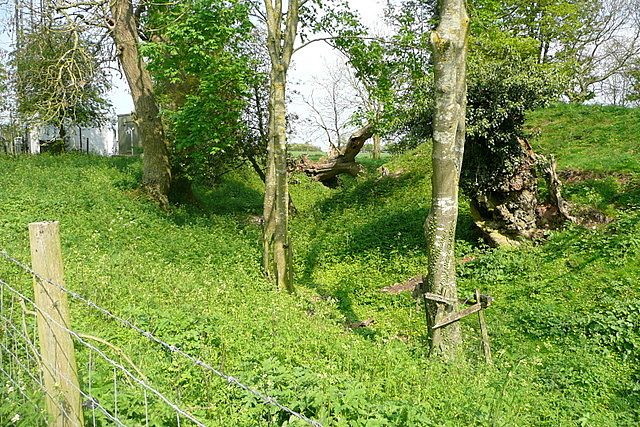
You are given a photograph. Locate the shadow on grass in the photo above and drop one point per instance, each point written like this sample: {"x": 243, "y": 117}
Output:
{"x": 386, "y": 229}
{"x": 377, "y": 218}
{"x": 630, "y": 195}
{"x": 231, "y": 196}
{"x": 366, "y": 193}
{"x": 345, "y": 306}
{"x": 130, "y": 169}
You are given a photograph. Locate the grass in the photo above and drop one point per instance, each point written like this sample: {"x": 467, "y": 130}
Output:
{"x": 600, "y": 139}
{"x": 564, "y": 326}
{"x": 598, "y": 147}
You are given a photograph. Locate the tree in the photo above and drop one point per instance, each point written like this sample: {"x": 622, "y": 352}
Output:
{"x": 117, "y": 20}
{"x": 369, "y": 107}
{"x": 593, "y": 40}
{"x": 634, "y": 82}
{"x": 156, "y": 177}
{"x": 370, "y": 74}
{"x": 332, "y": 106}
{"x": 344, "y": 162}
{"x": 57, "y": 79}
{"x": 449, "y": 47}
{"x": 282, "y": 29}
{"x": 346, "y": 102}
{"x": 201, "y": 55}
{"x": 499, "y": 170}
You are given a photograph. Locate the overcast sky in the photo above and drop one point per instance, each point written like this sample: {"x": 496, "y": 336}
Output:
{"x": 309, "y": 64}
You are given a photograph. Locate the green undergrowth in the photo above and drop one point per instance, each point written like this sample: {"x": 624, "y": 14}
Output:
{"x": 564, "y": 324}
{"x": 597, "y": 149}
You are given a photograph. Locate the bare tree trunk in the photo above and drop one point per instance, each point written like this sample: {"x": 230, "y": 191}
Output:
{"x": 156, "y": 177}
{"x": 277, "y": 250}
{"x": 506, "y": 215}
{"x": 449, "y": 43}
{"x": 269, "y": 222}
{"x": 278, "y": 142}
{"x": 377, "y": 149}
{"x": 62, "y": 134}
{"x": 512, "y": 211}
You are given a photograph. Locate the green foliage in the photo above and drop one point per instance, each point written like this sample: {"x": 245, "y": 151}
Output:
{"x": 587, "y": 40}
{"x": 500, "y": 92}
{"x": 634, "y": 74}
{"x": 200, "y": 57}
{"x": 387, "y": 67}
{"x": 563, "y": 326}
{"x": 19, "y": 405}
{"x": 505, "y": 80}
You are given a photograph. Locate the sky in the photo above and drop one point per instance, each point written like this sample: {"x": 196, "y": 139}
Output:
{"x": 308, "y": 65}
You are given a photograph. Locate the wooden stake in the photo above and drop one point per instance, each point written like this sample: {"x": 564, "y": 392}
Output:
{"x": 484, "y": 333}
{"x": 59, "y": 362}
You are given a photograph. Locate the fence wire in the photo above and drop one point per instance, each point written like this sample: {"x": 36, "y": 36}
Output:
{"x": 37, "y": 359}
{"x": 172, "y": 348}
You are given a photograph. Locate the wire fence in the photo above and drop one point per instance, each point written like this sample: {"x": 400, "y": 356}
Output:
{"x": 126, "y": 396}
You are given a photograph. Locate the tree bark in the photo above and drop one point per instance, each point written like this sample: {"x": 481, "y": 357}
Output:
{"x": 156, "y": 177}
{"x": 506, "y": 215}
{"x": 277, "y": 249}
{"x": 512, "y": 213}
{"x": 377, "y": 149}
{"x": 449, "y": 44}
{"x": 345, "y": 162}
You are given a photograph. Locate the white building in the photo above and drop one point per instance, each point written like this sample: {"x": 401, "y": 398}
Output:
{"x": 101, "y": 141}
{"x": 118, "y": 137}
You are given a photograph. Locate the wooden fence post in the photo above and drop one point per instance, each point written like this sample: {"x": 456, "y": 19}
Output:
{"x": 59, "y": 361}
{"x": 484, "y": 334}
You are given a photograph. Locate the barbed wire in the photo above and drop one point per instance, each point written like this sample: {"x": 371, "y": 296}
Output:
{"x": 103, "y": 355}
{"x": 88, "y": 398}
{"x": 230, "y": 379}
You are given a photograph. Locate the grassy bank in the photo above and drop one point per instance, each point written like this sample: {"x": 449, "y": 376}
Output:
{"x": 565, "y": 325}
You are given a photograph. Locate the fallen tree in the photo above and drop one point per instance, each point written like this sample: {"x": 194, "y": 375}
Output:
{"x": 326, "y": 171}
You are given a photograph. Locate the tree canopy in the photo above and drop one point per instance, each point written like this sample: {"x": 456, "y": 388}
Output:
{"x": 200, "y": 54}
{"x": 57, "y": 77}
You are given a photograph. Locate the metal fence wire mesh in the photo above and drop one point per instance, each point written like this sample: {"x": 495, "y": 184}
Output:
{"x": 112, "y": 387}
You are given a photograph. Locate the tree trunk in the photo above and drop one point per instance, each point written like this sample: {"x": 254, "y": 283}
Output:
{"x": 345, "y": 162}
{"x": 62, "y": 134}
{"x": 506, "y": 215}
{"x": 377, "y": 149}
{"x": 156, "y": 177}
{"x": 277, "y": 249}
{"x": 512, "y": 213}
{"x": 449, "y": 44}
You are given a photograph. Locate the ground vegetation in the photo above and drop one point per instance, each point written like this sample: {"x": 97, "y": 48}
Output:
{"x": 342, "y": 350}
